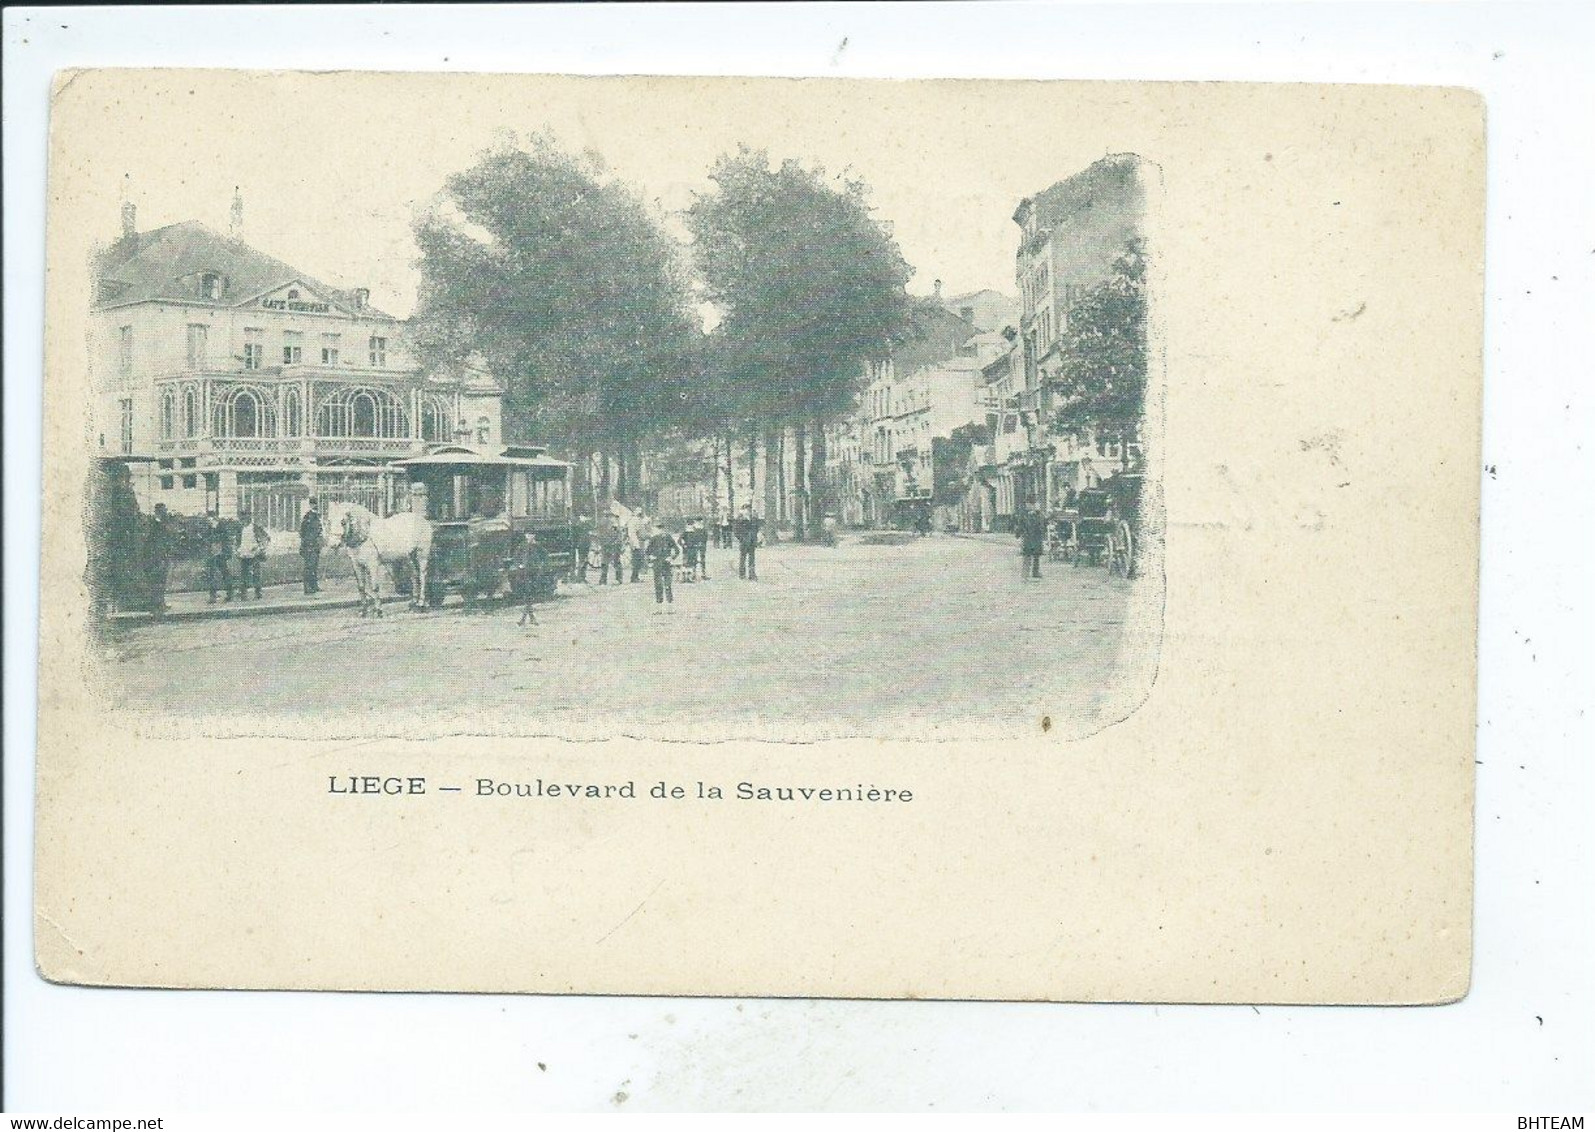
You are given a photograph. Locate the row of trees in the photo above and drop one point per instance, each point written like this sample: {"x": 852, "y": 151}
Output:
{"x": 539, "y": 266}
{"x": 542, "y": 268}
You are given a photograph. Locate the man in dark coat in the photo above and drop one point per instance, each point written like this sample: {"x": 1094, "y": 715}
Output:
{"x": 158, "y": 558}
{"x": 1032, "y": 541}
{"x": 611, "y": 539}
{"x": 310, "y": 544}
{"x": 746, "y": 530}
{"x": 662, "y": 550}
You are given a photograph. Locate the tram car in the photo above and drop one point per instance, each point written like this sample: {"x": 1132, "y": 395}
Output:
{"x": 501, "y": 519}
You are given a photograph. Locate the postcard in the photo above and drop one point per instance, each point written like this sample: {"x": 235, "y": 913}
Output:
{"x": 790, "y": 537}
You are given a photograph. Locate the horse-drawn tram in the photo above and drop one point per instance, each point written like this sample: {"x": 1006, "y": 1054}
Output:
{"x": 500, "y": 520}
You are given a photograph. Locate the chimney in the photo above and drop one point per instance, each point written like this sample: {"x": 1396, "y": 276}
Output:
{"x": 129, "y": 209}
{"x": 235, "y": 220}
{"x": 938, "y": 290}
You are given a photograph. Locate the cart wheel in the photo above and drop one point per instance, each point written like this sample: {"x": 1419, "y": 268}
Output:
{"x": 1119, "y": 550}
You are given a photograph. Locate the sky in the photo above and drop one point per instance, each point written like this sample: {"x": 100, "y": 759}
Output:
{"x": 333, "y": 168}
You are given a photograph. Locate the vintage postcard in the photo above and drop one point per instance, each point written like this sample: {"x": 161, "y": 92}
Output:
{"x": 914, "y": 539}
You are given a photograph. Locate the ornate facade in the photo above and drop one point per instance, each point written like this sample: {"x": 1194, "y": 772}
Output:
{"x": 241, "y": 383}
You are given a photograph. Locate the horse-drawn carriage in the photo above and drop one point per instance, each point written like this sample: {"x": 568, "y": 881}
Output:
{"x": 1100, "y": 529}
{"x": 501, "y": 521}
{"x": 481, "y": 522}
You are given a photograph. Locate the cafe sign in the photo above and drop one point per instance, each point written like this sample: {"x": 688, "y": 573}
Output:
{"x": 293, "y": 302}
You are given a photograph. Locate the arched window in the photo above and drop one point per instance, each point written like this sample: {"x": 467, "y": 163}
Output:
{"x": 292, "y": 416}
{"x": 435, "y": 420}
{"x": 168, "y": 414}
{"x": 243, "y": 413}
{"x": 246, "y": 415}
{"x": 190, "y": 411}
{"x": 363, "y": 414}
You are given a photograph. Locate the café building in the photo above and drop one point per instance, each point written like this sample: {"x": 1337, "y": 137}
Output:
{"x": 237, "y": 382}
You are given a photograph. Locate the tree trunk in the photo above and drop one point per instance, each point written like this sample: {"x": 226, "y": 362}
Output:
{"x": 603, "y": 477}
{"x": 773, "y": 509}
{"x": 731, "y": 481}
{"x": 819, "y": 480}
{"x": 800, "y": 526}
{"x": 753, "y": 463}
{"x": 622, "y": 482}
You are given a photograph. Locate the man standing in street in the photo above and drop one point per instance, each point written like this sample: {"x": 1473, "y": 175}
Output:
{"x": 695, "y": 543}
{"x": 662, "y": 551}
{"x": 746, "y": 530}
{"x": 610, "y": 541}
{"x": 253, "y": 540}
{"x": 310, "y": 543}
{"x": 637, "y": 534}
{"x": 583, "y": 546}
{"x": 218, "y": 553}
{"x": 158, "y": 558}
{"x": 1032, "y": 541}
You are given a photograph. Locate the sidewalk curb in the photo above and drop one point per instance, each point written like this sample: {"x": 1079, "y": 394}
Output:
{"x": 237, "y": 609}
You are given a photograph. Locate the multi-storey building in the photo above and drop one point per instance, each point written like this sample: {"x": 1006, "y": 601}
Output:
{"x": 244, "y": 383}
{"x": 1071, "y": 235}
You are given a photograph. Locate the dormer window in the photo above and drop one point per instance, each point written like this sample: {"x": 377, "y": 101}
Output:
{"x": 293, "y": 292}
{"x": 210, "y": 285}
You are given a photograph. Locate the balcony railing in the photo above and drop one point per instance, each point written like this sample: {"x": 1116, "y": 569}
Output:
{"x": 290, "y": 449}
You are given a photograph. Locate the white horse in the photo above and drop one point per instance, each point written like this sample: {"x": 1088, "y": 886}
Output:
{"x": 374, "y": 542}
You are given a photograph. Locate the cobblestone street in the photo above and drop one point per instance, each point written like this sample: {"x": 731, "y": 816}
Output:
{"x": 930, "y": 636}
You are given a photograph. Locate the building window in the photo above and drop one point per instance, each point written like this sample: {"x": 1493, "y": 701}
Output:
{"x": 363, "y": 413}
{"x": 293, "y": 348}
{"x": 190, "y": 481}
{"x": 198, "y": 345}
{"x": 126, "y": 407}
{"x": 210, "y": 285}
{"x": 254, "y": 347}
{"x": 329, "y": 349}
{"x": 292, "y": 416}
{"x": 166, "y": 483}
{"x": 190, "y": 412}
{"x": 242, "y": 413}
{"x": 168, "y": 414}
{"x": 435, "y": 420}
{"x": 379, "y": 352}
{"x": 125, "y": 351}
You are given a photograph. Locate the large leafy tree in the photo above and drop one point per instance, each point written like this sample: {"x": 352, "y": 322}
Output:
{"x": 809, "y": 286}
{"x": 1102, "y": 376}
{"x": 539, "y": 267}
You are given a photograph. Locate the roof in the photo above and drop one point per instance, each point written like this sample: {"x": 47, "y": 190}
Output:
{"x": 1116, "y": 176}
{"x": 457, "y": 455}
{"x": 164, "y": 264}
